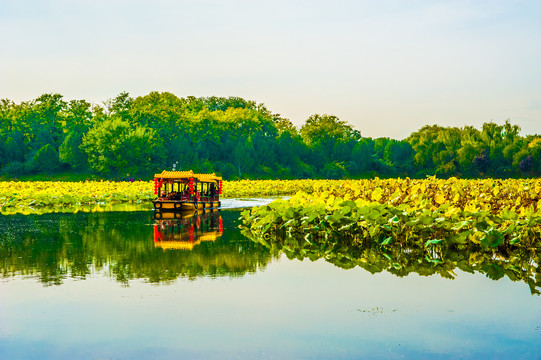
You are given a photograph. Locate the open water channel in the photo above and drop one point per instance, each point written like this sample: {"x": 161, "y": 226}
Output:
{"x": 121, "y": 285}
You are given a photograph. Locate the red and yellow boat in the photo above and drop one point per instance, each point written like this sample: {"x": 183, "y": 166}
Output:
{"x": 186, "y": 191}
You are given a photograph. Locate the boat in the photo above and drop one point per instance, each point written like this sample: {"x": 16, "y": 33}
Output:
{"x": 179, "y": 191}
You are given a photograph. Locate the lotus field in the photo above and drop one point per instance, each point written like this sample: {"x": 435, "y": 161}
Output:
{"x": 429, "y": 213}
{"x": 47, "y": 196}
{"x": 29, "y": 197}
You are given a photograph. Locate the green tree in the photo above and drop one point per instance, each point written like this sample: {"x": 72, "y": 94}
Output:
{"x": 323, "y": 134}
{"x": 327, "y": 129}
{"x": 48, "y": 119}
{"x": 6, "y": 116}
{"x": 399, "y": 155}
{"x": 119, "y": 106}
{"x": 243, "y": 157}
{"x": 13, "y": 148}
{"x": 534, "y": 149}
{"x": 46, "y": 159}
{"x": 116, "y": 148}
{"x": 70, "y": 151}
{"x": 425, "y": 145}
{"x": 500, "y": 143}
{"x": 78, "y": 115}
{"x": 334, "y": 170}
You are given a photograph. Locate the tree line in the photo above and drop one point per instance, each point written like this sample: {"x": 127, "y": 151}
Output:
{"x": 129, "y": 137}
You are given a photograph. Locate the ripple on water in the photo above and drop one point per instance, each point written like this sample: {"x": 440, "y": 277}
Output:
{"x": 238, "y": 203}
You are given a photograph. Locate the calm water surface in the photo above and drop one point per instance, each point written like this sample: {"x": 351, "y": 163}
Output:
{"x": 121, "y": 285}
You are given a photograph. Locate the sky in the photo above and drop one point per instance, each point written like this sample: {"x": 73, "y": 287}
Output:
{"x": 386, "y": 67}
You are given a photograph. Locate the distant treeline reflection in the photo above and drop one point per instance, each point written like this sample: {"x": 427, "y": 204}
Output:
{"x": 122, "y": 245}
{"x": 131, "y": 245}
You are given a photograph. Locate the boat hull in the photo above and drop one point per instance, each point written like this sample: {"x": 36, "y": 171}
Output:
{"x": 171, "y": 205}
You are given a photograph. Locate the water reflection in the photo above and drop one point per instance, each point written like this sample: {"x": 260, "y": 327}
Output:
{"x": 133, "y": 245}
{"x": 402, "y": 261}
{"x": 188, "y": 231}
{"x": 126, "y": 246}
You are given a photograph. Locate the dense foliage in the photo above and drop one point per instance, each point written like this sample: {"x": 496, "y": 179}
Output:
{"x": 136, "y": 137}
{"x": 457, "y": 214}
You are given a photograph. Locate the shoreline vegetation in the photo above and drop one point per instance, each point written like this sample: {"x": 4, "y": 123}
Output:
{"x": 134, "y": 138}
{"x": 507, "y": 210}
{"x": 38, "y": 197}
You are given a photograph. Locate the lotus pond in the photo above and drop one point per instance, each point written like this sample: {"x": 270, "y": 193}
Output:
{"x": 121, "y": 285}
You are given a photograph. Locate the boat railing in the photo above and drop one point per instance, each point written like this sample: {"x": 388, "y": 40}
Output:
{"x": 209, "y": 198}
{"x": 187, "y": 197}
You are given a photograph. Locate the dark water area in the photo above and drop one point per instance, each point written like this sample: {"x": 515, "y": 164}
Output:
{"x": 121, "y": 285}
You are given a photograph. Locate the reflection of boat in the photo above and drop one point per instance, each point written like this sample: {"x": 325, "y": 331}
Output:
{"x": 186, "y": 191}
{"x": 186, "y": 230}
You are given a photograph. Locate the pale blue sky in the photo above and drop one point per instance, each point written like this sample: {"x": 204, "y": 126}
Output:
{"x": 386, "y": 67}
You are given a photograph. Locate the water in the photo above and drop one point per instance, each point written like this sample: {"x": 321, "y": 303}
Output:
{"x": 120, "y": 285}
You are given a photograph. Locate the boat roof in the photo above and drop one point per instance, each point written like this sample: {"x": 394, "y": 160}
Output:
{"x": 181, "y": 175}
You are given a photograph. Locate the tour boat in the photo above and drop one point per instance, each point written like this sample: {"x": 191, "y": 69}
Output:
{"x": 185, "y": 191}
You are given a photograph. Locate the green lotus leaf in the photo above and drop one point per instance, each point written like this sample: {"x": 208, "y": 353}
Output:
{"x": 510, "y": 229}
{"x": 434, "y": 261}
{"x": 493, "y": 238}
{"x": 515, "y": 240}
{"x": 433, "y": 242}
{"x": 394, "y": 220}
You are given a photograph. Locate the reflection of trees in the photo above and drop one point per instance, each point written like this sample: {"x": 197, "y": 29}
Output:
{"x": 120, "y": 244}
{"x": 402, "y": 261}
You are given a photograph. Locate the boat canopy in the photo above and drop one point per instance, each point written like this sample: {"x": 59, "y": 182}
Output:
{"x": 186, "y": 175}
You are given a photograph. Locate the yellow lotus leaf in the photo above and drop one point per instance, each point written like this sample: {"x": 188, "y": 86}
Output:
{"x": 440, "y": 198}
{"x": 451, "y": 211}
{"x": 330, "y": 200}
{"x": 377, "y": 194}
